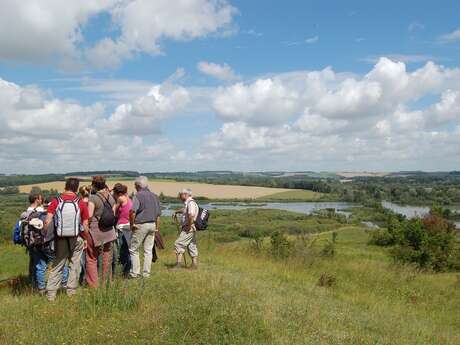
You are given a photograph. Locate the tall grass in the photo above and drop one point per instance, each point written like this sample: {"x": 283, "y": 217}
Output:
{"x": 239, "y": 296}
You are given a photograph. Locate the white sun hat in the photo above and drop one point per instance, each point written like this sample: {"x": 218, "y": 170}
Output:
{"x": 36, "y": 223}
{"x": 187, "y": 191}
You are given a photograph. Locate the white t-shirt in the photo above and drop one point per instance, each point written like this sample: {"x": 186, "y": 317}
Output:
{"x": 29, "y": 210}
{"x": 38, "y": 209}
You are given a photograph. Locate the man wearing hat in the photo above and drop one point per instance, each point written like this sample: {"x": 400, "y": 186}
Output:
{"x": 187, "y": 235}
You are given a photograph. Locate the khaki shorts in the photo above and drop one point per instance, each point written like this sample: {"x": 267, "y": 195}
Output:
{"x": 186, "y": 241}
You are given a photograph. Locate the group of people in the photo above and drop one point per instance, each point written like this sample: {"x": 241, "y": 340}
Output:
{"x": 72, "y": 238}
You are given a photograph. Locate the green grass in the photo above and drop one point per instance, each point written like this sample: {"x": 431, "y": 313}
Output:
{"x": 239, "y": 296}
{"x": 11, "y": 207}
{"x": 227, "y": 226}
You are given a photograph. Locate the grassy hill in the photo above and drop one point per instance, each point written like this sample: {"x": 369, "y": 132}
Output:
{"x": 241, "y": 295}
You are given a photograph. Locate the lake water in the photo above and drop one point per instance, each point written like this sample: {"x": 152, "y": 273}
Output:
{"x": 410, "y": 211}
{"x": 406, "y": 210}
{"x": 299, "y": 207}
{"x": 309, "y": 208}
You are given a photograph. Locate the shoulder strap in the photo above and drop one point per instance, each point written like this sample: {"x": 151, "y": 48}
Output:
{"x": 103, "y": 198}
{"x": 30, "y": 213}
{"x": 187, "y": 206}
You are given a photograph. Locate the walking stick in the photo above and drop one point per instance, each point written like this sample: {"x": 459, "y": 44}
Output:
{"x": 178, "y": 233}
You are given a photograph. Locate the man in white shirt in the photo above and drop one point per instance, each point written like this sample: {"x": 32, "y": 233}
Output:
{"x": 187, "y": 236}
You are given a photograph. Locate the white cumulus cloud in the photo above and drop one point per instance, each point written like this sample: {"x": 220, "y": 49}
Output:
{"x": 222, "y": 72}
{"x": 50, "y": 31}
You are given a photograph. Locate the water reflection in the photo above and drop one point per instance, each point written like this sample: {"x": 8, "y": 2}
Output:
{"x": 411, "y": 211}
{"x": 299, "y": 207}
{"x": 406, "y": 210}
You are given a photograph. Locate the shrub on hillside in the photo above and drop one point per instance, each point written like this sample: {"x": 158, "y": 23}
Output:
{"x": 381, "y": 237}
{"x": 281, "y": 247}
{"x": 304, "y": 248}
{"x": 327, "y": 280}
{"x": 328, "y": 249}
{"x": 428, "y": 242}
{"x": 390, "y": 235}
{"x": 257, "y": 240}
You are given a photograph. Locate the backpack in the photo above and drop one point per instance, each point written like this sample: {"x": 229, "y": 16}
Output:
{"x": 201, "y": 221}
{"x": 107, "y": 220}
{"x": 17, "y": 233}
{"x": 32, "y": 236}
{"x": 67, "y": 218}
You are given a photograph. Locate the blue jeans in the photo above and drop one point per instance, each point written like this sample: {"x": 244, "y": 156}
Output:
{"x": 121, "y": 252}
{"x": 40, "y": 260}
{"x": 125, "y": 257}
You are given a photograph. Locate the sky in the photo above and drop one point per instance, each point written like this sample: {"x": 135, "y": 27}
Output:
{"x": 189, "y": 85}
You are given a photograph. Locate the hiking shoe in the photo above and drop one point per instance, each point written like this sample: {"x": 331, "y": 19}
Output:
{"x": 42, "y": 292}
{"x": 194, "y": 267}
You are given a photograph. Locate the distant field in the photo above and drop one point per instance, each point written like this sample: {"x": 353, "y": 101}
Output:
{"x": 293, "y": 195}
{"x": 170, "y": 188}
{"x": 351, "y": 174}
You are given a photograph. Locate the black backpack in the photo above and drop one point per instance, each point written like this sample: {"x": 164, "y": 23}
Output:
{"x": 201, "y": 222}
{"x": 32, "y": 237}
{"x": 107, "y": 220}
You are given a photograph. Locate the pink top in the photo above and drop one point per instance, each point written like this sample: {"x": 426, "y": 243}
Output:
{"x": 123, "y": 212}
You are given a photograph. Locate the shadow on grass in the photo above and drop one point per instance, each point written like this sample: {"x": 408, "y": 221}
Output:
{"x": 172, "y": 267}
{"x": 18, "y": 286}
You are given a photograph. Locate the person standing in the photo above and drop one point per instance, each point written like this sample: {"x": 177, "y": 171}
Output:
{"x": 70, "y": 215}
{"x": 46, "y": 254}
{"x": 144, "y": 221}
{"x": 84, "y": 193}
{"x": 101, "y": 232}
{"x": 187, "y": 236}
{"x": 122, "y": 210}
{"x": 35, "y": 206}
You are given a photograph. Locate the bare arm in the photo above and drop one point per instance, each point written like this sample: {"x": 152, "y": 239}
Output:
{"x": 190, "y": 221}
{"x": 157, "y": 223}
{"x": 115, "y": 208}
{"x": 176, "y": 212}
{"x": 85, "y": 224}
{"x": 91, "y": 208}
{"x": 48, "y": 220}
{"x": 132, "y": 218}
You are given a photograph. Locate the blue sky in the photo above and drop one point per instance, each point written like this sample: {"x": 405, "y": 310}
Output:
{"x": 258, "y": 82}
